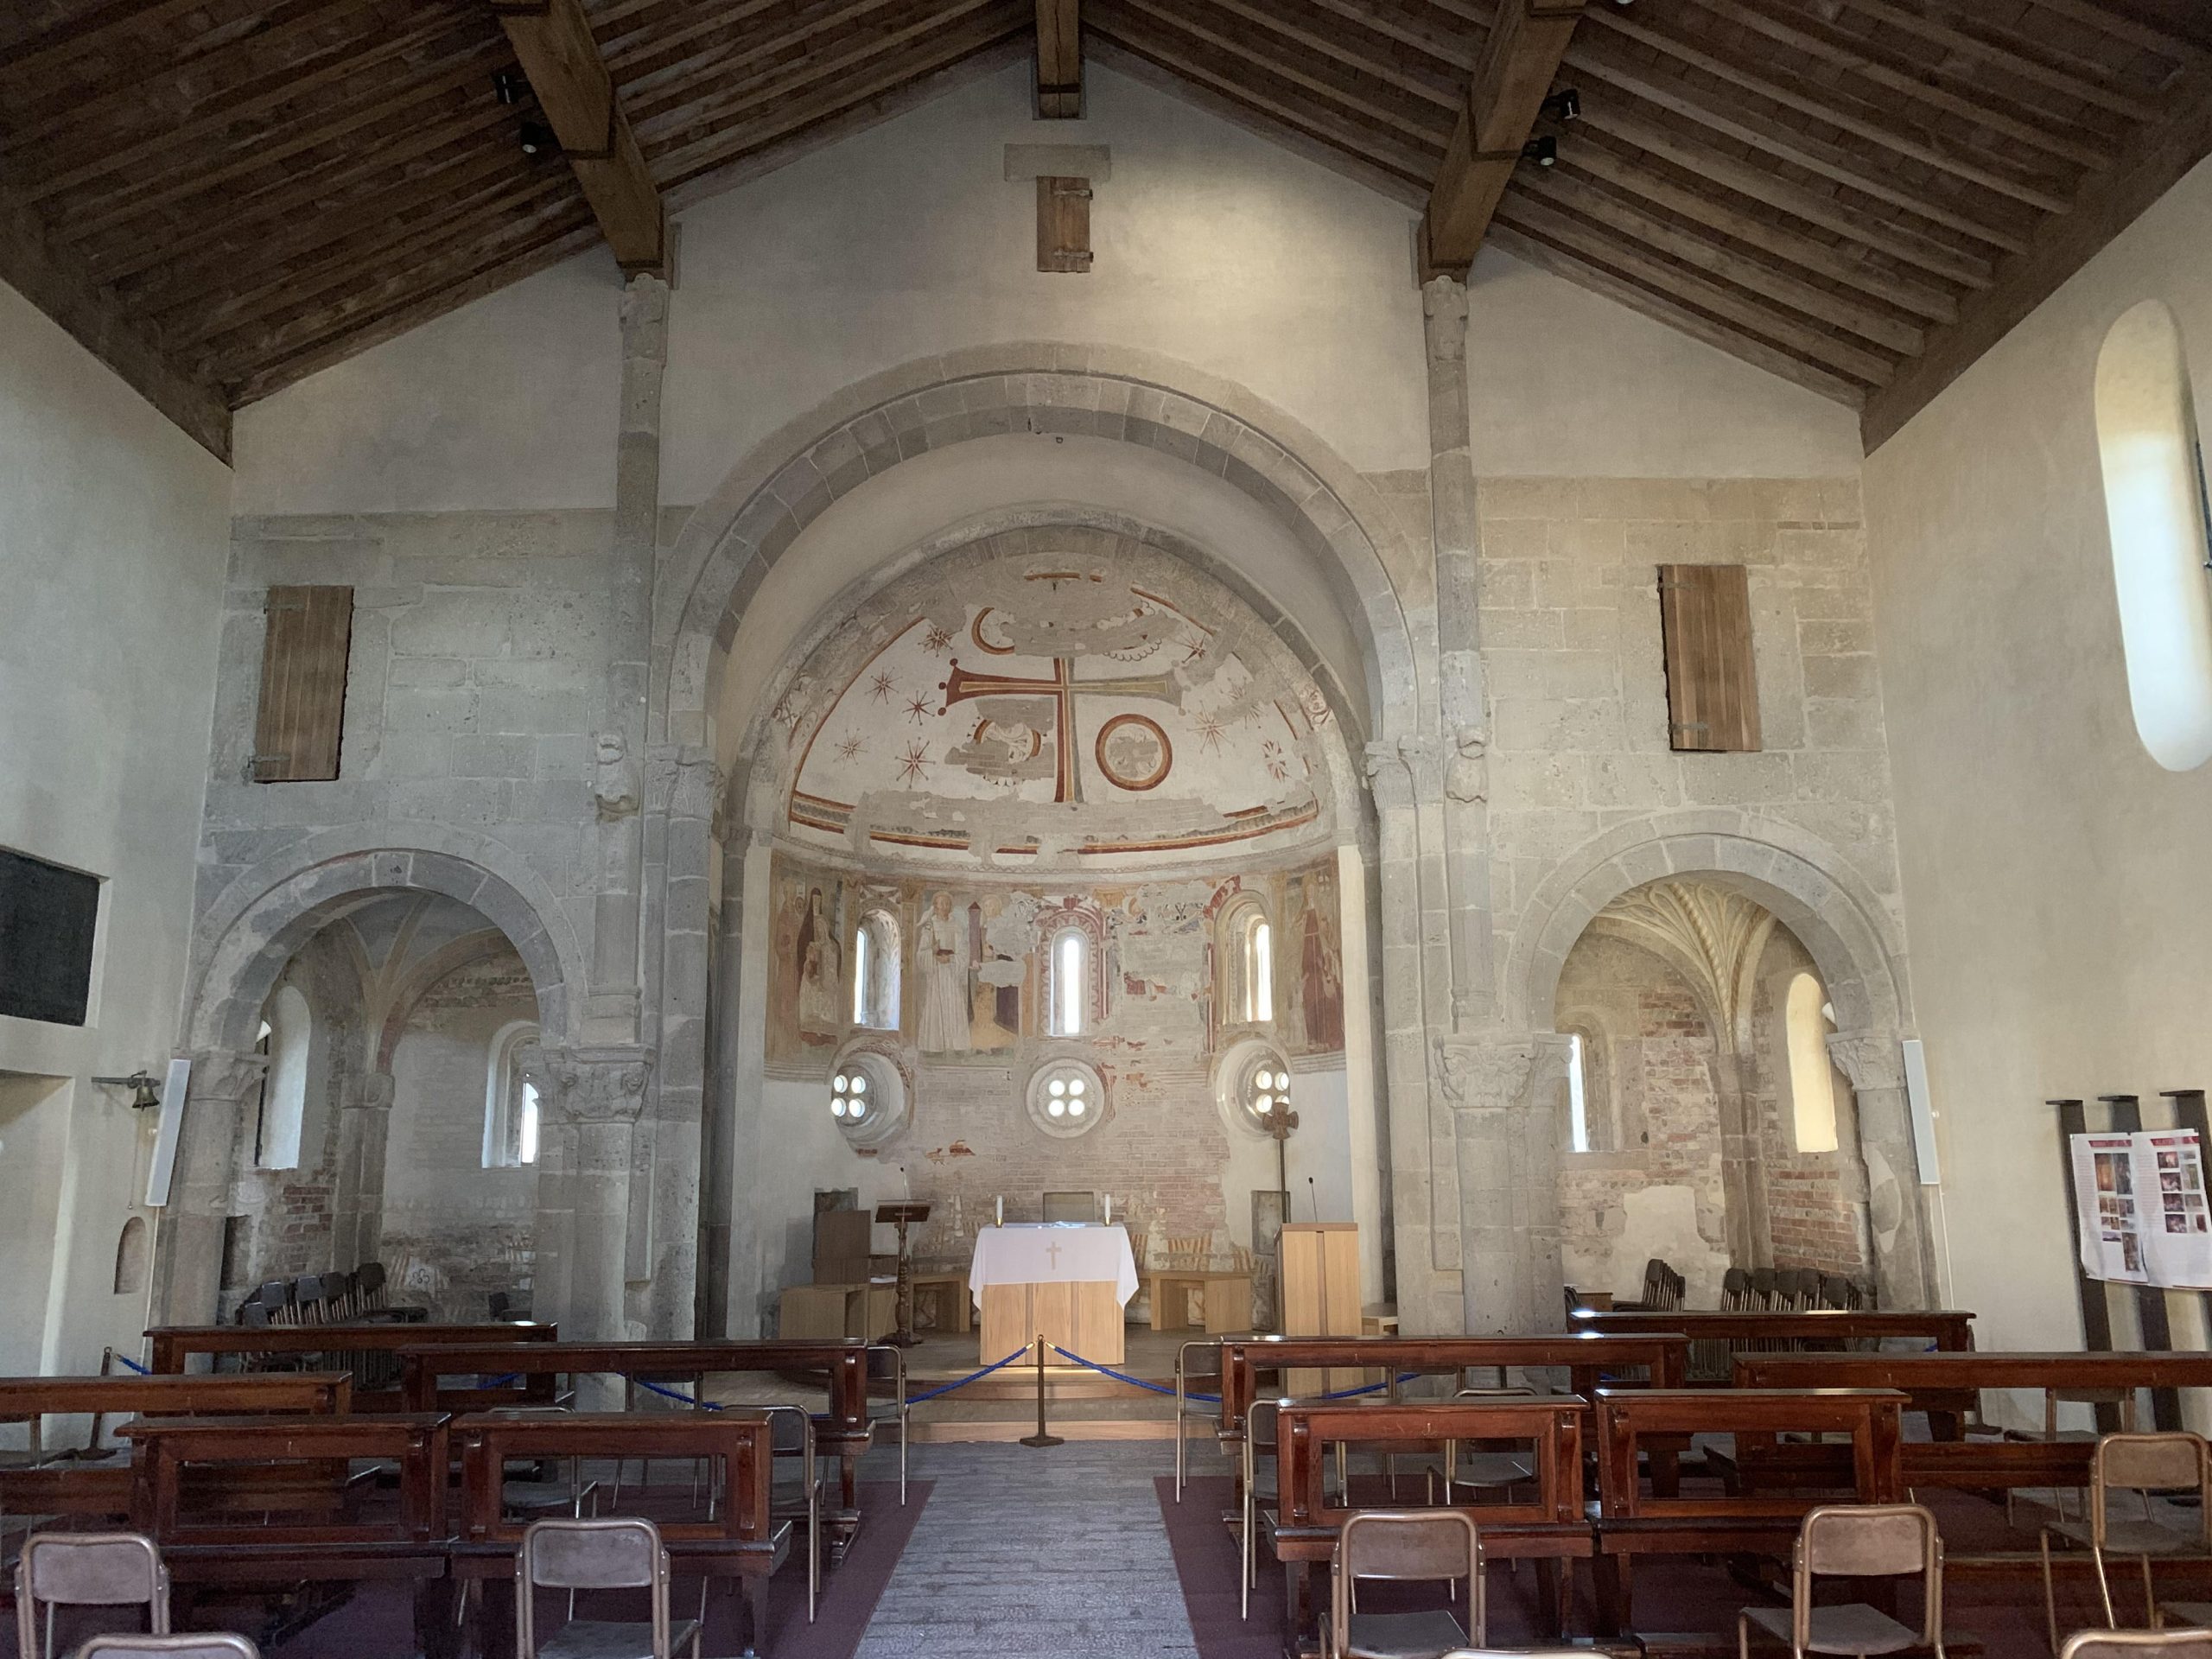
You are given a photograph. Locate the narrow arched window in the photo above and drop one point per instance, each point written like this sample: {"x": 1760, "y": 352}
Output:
{"x": 1259, "y": 971}
{"x": 2161, "y": 532}
{"x": 1070, "y": 975}
{"x": 284, "y": 1087}
{"x": 1578, "y": 1095}
{"x": 875, "y": 971}
{"x": 511, "y": 1099}
{"x": 1807, "y": 1023}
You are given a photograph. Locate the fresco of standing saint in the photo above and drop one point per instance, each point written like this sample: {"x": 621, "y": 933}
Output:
{"x": 941, "y": 962}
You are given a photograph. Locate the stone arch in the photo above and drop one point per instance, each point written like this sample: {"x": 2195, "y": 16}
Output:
{"x": 1808, "y": 884}
{"x": 1116, "y": 394}
{"x": 258, "y": 922}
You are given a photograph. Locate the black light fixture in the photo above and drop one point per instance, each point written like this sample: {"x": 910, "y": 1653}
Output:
{"x": 1543, "y": 151}
{"x": 1565, "y": 104}
{"x": 511, "y": 87}
{"x": 538, "y": 139}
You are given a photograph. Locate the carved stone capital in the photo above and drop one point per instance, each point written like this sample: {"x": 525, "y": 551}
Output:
{"x": 1869, "y": 1059}
{"x": 1466, "y": 775}
{"x": 373, "y": 1092}
{"x": 224, "y": 1074}
{"x": 1444, "y": 304}
{"x": 1492, "y": 1075}
{"x": 644, "y": 317}
{"x": 592, "y": 1085}
{"x": 1387, "y": 777}
{"x": 614, "y": 778}
{"x": 1427, "y": 762}
{"x": 696, "y": 789}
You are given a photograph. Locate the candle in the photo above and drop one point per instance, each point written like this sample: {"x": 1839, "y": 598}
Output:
{"x": 1001, "y": 1213}
{"x": 1109, "y": 1209}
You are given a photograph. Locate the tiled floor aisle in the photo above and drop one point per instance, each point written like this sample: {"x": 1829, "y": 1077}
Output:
{"x": 1023, "y": 1551}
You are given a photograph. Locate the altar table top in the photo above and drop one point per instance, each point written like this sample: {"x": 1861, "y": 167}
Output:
{"x": 1054, "y": 1253}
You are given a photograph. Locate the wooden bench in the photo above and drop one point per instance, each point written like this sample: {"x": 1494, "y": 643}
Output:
{"x": 1716, "y": 1338}
{"x": 89, "y": 1483}
{"x": 843, "y": 1430}
{"x": 1549, "y": 1527}
{"x": 1630, "y": 1522}
{"x": 742, "y": 1541}
{"x": 371, "y": 1351}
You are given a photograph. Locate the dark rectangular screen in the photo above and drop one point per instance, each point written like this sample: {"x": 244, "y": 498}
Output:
{"x": 47, "y": 919}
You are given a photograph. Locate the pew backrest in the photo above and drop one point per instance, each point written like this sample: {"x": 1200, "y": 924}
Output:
{"x": 184, "y": 1467}
{"x": 1552, "y": 1425}
{"x": 1627, "y": 1417}
{"x": 738, "y": 1444}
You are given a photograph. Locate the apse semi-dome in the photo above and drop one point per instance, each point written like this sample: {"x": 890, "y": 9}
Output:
{"x": 1062, "y": 696}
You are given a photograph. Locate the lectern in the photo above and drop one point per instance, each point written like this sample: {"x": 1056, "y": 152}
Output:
{"x": 1318, "y": 1274}
{"x": 903, "y": 1216}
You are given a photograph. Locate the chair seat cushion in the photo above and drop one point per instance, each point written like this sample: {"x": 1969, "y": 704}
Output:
{"x": 1492, "y": 1469}
{"x": 1855, "y": 1628}
{"x": 584, "y": 1638}
{"x": 2132, "y": 1537}
{"x": 1403, "y": 1636}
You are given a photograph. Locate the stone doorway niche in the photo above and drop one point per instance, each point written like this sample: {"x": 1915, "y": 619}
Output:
{"x": 1097, "y": 868}
{"x": 1703, "y": 1118}
{"x": 34, "y": 1148}
{"x": 397, "y": 1105}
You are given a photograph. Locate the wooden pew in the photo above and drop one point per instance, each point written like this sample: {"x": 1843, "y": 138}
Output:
{"x": 100, "y": 1485}
{"x": 844, "y": 1429}
{"x": 1587, "y": 1359}
{"x": 1630, "y": 1522}
{"x": 1815, "y": 1330}
{"x": 373, "y": 1351}
{"x": 742, "y": 1541}
{"x": 1550, "y": 1527}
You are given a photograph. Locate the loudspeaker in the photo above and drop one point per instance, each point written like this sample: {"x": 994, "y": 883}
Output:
{"x": 165, "y": 1133}
{"x": 1924, "y": 1117}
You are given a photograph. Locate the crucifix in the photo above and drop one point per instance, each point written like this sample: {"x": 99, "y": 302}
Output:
{"x": 1052, "y": 1253}
{"x": 1063, "y": 688}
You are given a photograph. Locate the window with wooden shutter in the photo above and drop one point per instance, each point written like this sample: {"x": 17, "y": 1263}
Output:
{"x": 1063, "y": 224}
{"x": 1705, "y": 621}
{"x": 302, "y": 684}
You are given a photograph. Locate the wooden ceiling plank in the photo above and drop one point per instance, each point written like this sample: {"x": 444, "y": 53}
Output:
{"x": 1771, "y": 84}
{"x": 1612, "y": 115}
{"x": 1848, "y": 53}
{"x": 681, "y": 58}
{"x": 1760, "y": 132}
{"x": 2109, "y": 204}
{"x": 1110, "y": 48}
{"x": 1801, "y": 336}
{"x": 1059, "y": 60}
{"x": 1438, "y": 85}
{"x": 2176, "y": 48}
{"x": 1874, "y": 323}
{"x": 560, "y": 60}
{"x": 1389, "y": 112}
{"x": 1664, "y": 308}
{"x": 54, "y": 282}
{"x": 1520, "y": 58}
{"x": 112, "y": 208}
{"x": 33, "y": 56}
{"x": 1453, "y": 48}
{"x": 1998, "y": 54}
{"x": 340, "y": 63}
{"x": 1230, "y": 77}
{"x": 1763, "y": 230}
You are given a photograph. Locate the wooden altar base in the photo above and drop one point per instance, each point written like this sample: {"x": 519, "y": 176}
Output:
{"x": 1081, "y": 1316}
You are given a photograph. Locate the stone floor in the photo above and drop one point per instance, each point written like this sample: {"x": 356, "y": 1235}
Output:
{"x": 1022, "y": 1551}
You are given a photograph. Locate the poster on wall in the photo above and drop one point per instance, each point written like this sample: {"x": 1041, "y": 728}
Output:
{"x": 2143, "y": 1213}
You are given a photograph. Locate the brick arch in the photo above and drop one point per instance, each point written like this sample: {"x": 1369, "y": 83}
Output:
{"x": 1121, "y": 395}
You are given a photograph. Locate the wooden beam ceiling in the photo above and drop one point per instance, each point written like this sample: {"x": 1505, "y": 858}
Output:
{"x": 1059, "y": 60}
{"x": 553, "y": 39}
{"x": 1512, "y": 78}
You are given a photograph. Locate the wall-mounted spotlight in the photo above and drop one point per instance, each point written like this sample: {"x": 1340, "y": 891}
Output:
{"x": 511, "y": 87}
{"x": 538, "y": 139}
{"x": 1543, "y": 151}
{"x": 1565, "y": 104}
{"x": 145, "y": 1093}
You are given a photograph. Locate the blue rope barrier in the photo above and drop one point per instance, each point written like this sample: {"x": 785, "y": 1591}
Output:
{"x": 1123, "y": 1376}
{"x": 136, "y": 1368}
{"x": 917, "y": 1399}
{"x": 671, "y": 1394}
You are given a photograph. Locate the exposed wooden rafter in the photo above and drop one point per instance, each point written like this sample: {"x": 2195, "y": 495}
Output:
{"x": 1059, "y": 60}
{"x": 54, "y": 281}
{"x": 553, "y": 39}
{"x": 1527, "y": 38}
{"x": 2108, "y": 205}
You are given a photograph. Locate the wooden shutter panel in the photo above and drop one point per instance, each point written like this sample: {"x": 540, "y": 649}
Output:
{"x": 1063, "y": 224}
{"x": 302, "y": 684}
{"x": 1705, "y": 622}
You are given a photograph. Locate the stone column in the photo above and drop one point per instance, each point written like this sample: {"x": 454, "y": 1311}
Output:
{"x": 223, "y": 1082}
{"x": 364, "y": 1134}
{"x": 1743, "y": 1154}
{"x": 589, "y": 1099}
{"x": 612, "y": 1009}
{"x": 1904, "y": 1266}
{"x": 1464, "y": 709}
{"x": 1503, "y": 1092}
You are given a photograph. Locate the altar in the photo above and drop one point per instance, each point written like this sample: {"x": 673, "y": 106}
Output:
{"x": 1068, "y": 1281}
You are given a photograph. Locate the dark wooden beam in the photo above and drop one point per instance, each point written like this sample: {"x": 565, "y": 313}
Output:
{"x": 2108, "y": 204}
{"x": 57, "y": 284}
{"x": 1512, "y": 78}
{"x": 1059, "y": 60}
{"x": 553, "y": 40}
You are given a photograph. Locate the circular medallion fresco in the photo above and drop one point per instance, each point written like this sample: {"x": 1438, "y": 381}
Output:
{"x": 1133, "y": 752}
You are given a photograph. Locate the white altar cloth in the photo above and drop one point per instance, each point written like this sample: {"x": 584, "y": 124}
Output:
{"x": 1053, "y": 1253}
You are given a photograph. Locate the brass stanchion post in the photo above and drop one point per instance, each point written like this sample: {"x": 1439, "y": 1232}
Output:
{"x": 1041, "y": 1438}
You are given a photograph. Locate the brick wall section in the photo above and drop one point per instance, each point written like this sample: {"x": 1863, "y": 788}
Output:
{"x": 1815, "y": 1200}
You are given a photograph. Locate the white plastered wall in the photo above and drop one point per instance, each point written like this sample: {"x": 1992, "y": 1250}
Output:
{"x": 2055, "y": 875}
{"x": 1213, "y": 246}
{"x": 114, "y": 530}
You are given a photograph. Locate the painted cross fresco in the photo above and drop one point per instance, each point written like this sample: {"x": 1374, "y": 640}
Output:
{"x": 1063, "y": 688}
